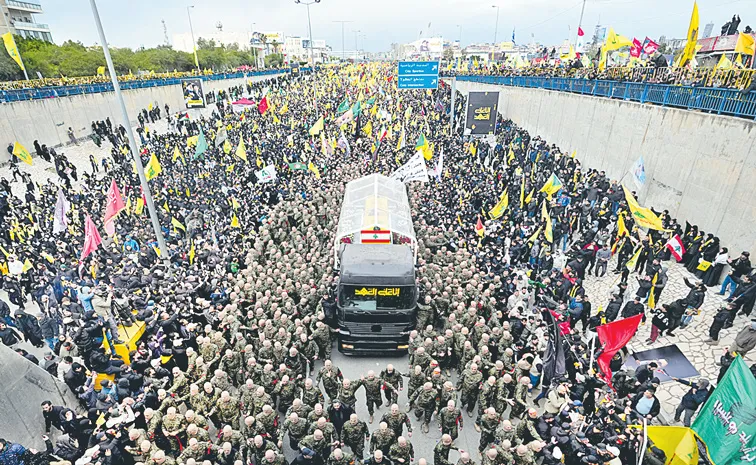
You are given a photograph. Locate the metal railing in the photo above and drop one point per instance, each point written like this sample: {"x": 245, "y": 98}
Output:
{"x": 720, "y": 101}
{"x": 30, "y": 25}
{"x": 18, "y": 95}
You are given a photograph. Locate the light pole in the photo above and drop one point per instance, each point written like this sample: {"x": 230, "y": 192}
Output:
{"x": 312, "y": 57}
{"x": 460, "y": 35}
{"x": 194, "y": 44}
{"x": 356, "y": 49}
{"x": 132, "y": 142}
{"x": 343, "y": 54}
{"x": 496, "y": 32}
{"x": 580, "y": 24}
{"x": 253, "y": 43}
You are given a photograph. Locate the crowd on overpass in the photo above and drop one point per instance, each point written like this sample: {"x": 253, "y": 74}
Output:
{"x": 234, "y": 366}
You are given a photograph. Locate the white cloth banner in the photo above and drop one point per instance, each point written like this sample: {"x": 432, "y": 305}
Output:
{"x": 60, "y": 222}
{"x": 439, "y": 169}
{"x": 266, "y": 174}
{"x": 638, "y": 171}
{"x": 413, "y": 170}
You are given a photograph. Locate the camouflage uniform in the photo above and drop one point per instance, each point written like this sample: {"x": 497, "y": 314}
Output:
{"x": 328, "y": 430}
{"x": 441, "y": 453}
{"x": 346, "y": 459}
{"x": 372, "y": 393}
{"x": 355, "y": 436}
{"x": 520, "y": 400}
{"x": 312, "y": 396}
{"x": 176, "y": 423}
{"x": 286, "y": 392}
{"x": 402, "y": 455}
{"x": 415, "y": 383}
{"x": 331, "y": 379}
{"x": 296, "y": 431}
{"x": 228, "y": 412}
{"x": 246, "y": 399}
{"x": 382, "y": 439}
{"x": 396, "y": 422}
{"x": 451, "y": 421}
{"x": 469, "y": 386}
{"x": 488, "y": 426}
{"x": 486, "y": 398}
{"x": 426, "y": 404}
{"x": 268, "y": 423}
{"x": 203, "y": 449}
{"x": 346, "y": 395}
{"x": 180, "y": 386}
{"x": 232, "y": 365}
{"x": 394, "y": 379}
{"x": 322, "y": 447}
{"x": 526, "y": 432}
{"x": 526, "y": 459}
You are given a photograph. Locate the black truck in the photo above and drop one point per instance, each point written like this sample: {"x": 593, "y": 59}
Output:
{"x": 376, "y": 298}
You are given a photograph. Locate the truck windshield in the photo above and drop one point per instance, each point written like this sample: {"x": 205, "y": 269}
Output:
{"x": 376, "y": 298}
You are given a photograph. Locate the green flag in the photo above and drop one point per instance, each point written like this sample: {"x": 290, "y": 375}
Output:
{"x": 297, "y": 166}
{"x": 344, "y": 106}
{"x": 356, "y": 109}
{"x": 727, "y": 421}
{"x": 371, "y": 101}
{"x": 201, "y": 145}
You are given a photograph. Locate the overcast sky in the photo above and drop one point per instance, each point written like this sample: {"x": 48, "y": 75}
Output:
{"x": 135, "y": 23}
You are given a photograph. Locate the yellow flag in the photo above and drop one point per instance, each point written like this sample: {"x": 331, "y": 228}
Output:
{"x": 177, "y": 154}
{"x": 746, "y": 44}
{"x": 621, "y": 228}
{"x": 27, "y": 266}
{"x": 241, "y": 150}
{"x": 21, "y": 152}
{"x": 651, "y": 297}
{"x": 615, "y": 41}
{"x": 368, "y": 129}
{"x": 547, "y": 229}
{"x": 235, "y": 221}
{"x": 166, "y": 207}
{"x": 153, "y": 168}
{"x": 128, "y": 206}
{"x": 177, "y": 224}
{"x": 634, "y": 259}
{"x": 311, "y": 167}
{"x": 284, "y": 108}
{"x": 500, "y": 207}
{"x": 226, "y": 147}
{"x": 552, "y": 185}
{"x": 192, "y": 253}
{"x": 535, "y": 234}
{"x": 522, "y": 193}
{"x": 317, "y": 127}
{"x": 101, "y": 72}
{"x": 234, "y": 204}
{"x": 10, "y": 46}
{"x": 643, "y": 216}
{"x": 230, "y": 167}
{"x": 139, "y": 206}
{"x": 690, "y": 46}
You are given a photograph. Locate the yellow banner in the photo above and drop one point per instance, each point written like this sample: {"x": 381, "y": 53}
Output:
{"x": 10, "y": 46}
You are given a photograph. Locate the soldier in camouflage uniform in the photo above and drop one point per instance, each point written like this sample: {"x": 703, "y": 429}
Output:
{"x": 382, "y": 439}
{"x": 258, "y": 449}
{"x": 231, "y": 436}
{"x": 441, "y": 451}
{"x": 524, "y": 456}
{"x": 402, "y": 452}
{"x": 246, "y": 397}
{"x": 339, "y": 457}
{"x": 347, "y": 391}
{"x": 193, "y": 418}
{"x": 317, "y": 413}
{"x": 227, "y": 410}
{"x": 469, "y": 387}
{"x": 416, "y": 380}
{"x": 489, "y": 423}
{"x": 486, "y": 397}
{"x": 425, "y": 400}
{"x": 261, "y": 399}
{"x": 425, "y": 315}
{"x": 172, "y": 426}
{"x": 180, "y": 387}
{"x": 231, "y": 363}
{"x": 196, "y": 450}
{"x": 273, "y": 458}
{"x": 296, "y": 428}
{"x": 311, "y": 394}
{"x": 249, "y": 429}
{"x": 286, "y": 391}
{"x": 354, "y": 434}
{"x": 328, "y": 430}
{"x": 160, "y": 458}
{"x": 506, "y": 432}
{"x": 331, "y": 377}
{"x": 450, "y": 418}
{"x": 373, "y": 386}
{"x": 526, "y": 431}
{"x": 317, "y": 442}
{"x": 393, "y": 378}
{"x": 298, "y": 407}
{"x": 396, "y": 419}
{"x": 520, "y": 398}
{"x": 201, "y": 435}
{"x": 268, "y": 421}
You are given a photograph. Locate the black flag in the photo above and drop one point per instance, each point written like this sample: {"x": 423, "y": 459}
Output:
{"x": 554, "y": 365}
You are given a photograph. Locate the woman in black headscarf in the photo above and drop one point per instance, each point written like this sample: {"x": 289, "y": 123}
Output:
{"x": 699, "y": 244}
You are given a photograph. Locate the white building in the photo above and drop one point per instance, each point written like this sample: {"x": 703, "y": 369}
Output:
{"x": 298, "y": 49}
{"x": 20, "y": 20}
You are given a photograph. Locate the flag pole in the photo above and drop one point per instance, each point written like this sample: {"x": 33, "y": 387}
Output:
{"x": 580, "y": 24}
{"x": 132, "y": 141}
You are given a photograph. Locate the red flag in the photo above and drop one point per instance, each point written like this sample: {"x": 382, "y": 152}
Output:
{"x": 580, "y": 32}
{"x": 92, "y": 238}
{"x": 480, "y": 230}
{"x": 636, "y": 49}
{"x": 613, "y": 337}
{"x": 676, "y": 247}
{"x": 262, "y": 107}
{"x": 649, "y": 46}
{"x": 115, "y": 204}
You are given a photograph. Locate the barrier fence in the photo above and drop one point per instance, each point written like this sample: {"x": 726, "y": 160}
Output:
{"x": 721, "y": 101}
{"x": 17, "y": 95}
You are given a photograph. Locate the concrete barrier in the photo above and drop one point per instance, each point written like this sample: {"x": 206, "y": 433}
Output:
{"x": 699, "y": 166}
{"x": 48, "y": 120}
{"x": 24, "y": 387}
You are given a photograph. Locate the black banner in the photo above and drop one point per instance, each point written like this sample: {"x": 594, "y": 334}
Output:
{"x": 481, "y": 112}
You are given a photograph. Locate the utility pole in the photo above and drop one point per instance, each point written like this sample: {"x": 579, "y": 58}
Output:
{"x": 356, "y": 49}
{"x": 132, "y": 141}
{"x": 580, "y": 23}
{"x": 496, "y": 32}
{"x": 194, "y": 44}
{"x": 343, "y": 53}
{"x": 312, "y": 57}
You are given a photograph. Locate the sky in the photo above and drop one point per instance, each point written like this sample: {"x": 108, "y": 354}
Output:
{"x": 136, "y": 23}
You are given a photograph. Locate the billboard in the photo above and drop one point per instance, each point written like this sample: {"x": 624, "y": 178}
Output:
{"x": 194, "y": 97}
{"x": 481, "y": 112}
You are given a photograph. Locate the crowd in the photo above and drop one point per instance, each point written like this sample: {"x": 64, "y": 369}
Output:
{"x": 234, "y": 366}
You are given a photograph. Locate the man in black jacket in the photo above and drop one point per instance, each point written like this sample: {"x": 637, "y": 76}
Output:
{"x": 52, "y": 414}
{"x": 739, "y": 267}
{"x": 694, "y": 398}
{"x": 634, "y": 307}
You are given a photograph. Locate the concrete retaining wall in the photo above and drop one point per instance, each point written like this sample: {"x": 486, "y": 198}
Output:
{"x": 48, "y": 120}
{"x": 700, "y": 167}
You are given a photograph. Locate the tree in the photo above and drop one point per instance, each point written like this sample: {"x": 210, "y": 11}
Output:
{"x": 449, "y": 54}
{"x": 274, "y": 60}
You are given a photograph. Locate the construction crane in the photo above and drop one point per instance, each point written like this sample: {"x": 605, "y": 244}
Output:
{"x": 165, "y": 33}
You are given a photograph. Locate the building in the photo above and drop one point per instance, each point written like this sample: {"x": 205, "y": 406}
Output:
{"x": 298, "y": 49}
{"x": 20, "y": 19}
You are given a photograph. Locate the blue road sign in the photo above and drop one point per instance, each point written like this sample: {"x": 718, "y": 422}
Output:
{"x": 418, "y": 75}
{"x": 418, "y": 82}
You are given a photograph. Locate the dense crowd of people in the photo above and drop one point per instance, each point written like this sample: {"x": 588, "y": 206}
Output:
{"x": 235, "y": 364}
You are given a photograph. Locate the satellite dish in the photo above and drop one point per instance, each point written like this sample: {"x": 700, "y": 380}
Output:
{"x": 219, "y": 26}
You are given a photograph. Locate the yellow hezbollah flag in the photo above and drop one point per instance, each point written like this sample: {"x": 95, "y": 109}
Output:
{"x": 615, "y": 41}
{"x": 651, "y": 298}
{"x": 690, "y": 46}
{"x": 21, "y": 152}
{"x": 634, "y": 259}
{"x": 177, "y": 154}
{"x": 311, "y": 166}
{"x": 552, "y": 185}
{"x": 317, "y": 127}
{"x": 10, "y": 46}
{"x": 235, "y": 221}
{"x": 529, "y": 197}
{"x": 643, "y": 216}
{"x": 241, "y": 150}
{"x": 177, "y": 224}
{"x": 746, "y": 44}
{"x": 226, "y": 147}
{"x": 191, "y": 254}
{"x": 139, "y": 206}
{"x": 500, "y": 207}
{"x": 153, "y": 168}
{"x": 621, "y": 228}
{"x": 547, "y": 229}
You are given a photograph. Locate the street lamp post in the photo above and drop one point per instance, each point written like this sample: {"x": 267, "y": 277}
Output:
{"x": 130, "y": 134}
{"x": 312, "y": 57}
{"x": 496, "y": 33}
{"x": 194, "y": 44}
{"x": 356, "y": 48}
{"x": 460, "y": 35}
{"x": 343, "y": 53}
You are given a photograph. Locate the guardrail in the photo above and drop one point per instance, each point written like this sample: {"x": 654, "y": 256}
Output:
{"x": 707, "y": 99}
{"x": 18, "y": 95}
